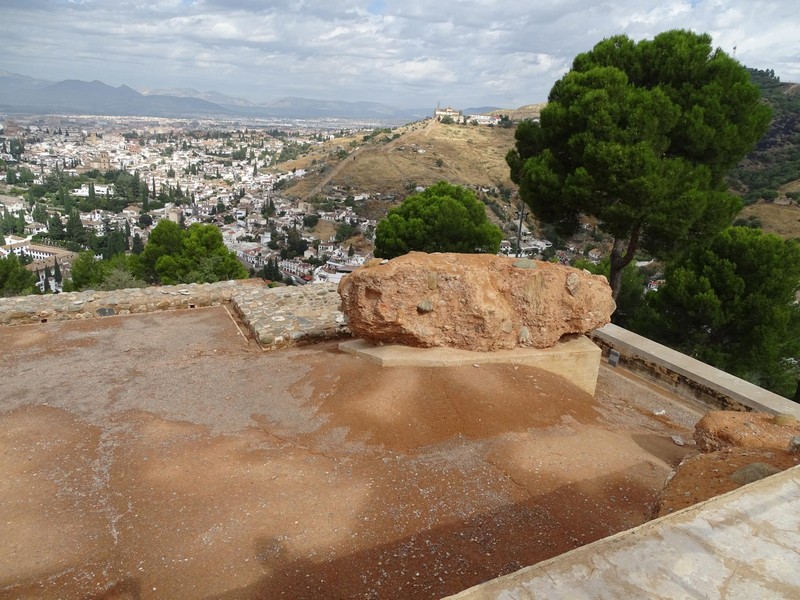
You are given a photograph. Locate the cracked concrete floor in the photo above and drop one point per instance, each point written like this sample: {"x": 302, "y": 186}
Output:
{"x": 166, "y": 456}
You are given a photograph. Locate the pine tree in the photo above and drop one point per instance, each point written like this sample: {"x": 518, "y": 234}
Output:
{"x": 39, "y": 213}
{"x": 75, "y": 231}
{"x": 137, "y": 246}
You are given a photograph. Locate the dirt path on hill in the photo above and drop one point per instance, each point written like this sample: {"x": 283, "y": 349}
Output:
{"x": 165, "y": 456}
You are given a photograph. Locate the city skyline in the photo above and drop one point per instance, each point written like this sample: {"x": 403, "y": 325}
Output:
{"x": 404, "y": 54}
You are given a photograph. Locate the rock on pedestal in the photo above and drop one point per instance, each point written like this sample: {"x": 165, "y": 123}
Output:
{"x": 474, "y": 302}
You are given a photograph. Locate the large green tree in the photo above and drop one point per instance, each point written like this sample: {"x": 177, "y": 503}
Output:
{"x": 640, "y": 136}
{"x": 165, "y": 240}
{"x": 15, "y": 279}
{"x": 732, "y": 304}
{"x": 443, "y": 218}
{"x": 87, "y": 271}
{"x": 174, "y": 255}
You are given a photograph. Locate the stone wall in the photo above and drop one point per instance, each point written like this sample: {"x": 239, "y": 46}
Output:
{"x": 290, "y": 316}
{"x": 24, "y": 310}
{"x": 690, "y": 379}
{"x": 275, "y": 317}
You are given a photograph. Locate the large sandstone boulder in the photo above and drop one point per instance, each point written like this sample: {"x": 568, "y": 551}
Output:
{"x": 473, "y": 301}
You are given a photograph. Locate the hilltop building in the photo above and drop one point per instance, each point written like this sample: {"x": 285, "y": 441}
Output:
{"x": 441, "y": 113}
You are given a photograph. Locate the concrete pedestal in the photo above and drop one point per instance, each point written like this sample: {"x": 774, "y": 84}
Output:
{"x": 575, "y": 358}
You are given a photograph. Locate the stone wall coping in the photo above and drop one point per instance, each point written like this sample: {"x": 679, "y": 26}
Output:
{"x": 632, "y": 345}
{"x": 24, "y": 310}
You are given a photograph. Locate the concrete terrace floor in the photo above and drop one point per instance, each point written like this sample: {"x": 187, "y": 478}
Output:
{"x": 166, "y": 455}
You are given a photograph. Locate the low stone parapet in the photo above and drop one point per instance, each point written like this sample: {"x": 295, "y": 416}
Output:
{"x": 24, "y": 310}
{"x": 276, "y": 317}
{"x": 288, "y": 316}
{"x": 687, "y": 377}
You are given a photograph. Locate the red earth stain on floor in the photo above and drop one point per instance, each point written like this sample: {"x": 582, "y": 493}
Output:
{"x": 219, "y": 471}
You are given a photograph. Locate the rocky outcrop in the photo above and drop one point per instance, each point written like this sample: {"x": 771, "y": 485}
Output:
{"x": 700, "y": 477}
{"x": 472, "y": 301}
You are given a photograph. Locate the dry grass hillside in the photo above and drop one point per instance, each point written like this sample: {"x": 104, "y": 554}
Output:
{"x": 417, "y": 154}
{"x": 529, "y": 111}
{"x": 780, "y": 219}
{"x": 391, "y": 163}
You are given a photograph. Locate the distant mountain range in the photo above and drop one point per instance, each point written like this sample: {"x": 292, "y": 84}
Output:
{"x": 23, "y": 94}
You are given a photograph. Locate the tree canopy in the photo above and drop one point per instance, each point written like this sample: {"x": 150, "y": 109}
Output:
{"x": 87, "y": 271}
{"x": 174, "y": 255}
{"x": 732, "y": 304}
{"x": 443, "y": 218}
{"x": 15, "y": 279}
{"x": 640, "y": 136}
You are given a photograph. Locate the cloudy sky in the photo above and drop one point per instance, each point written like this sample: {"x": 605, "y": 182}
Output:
{"x": 406, "y": 53}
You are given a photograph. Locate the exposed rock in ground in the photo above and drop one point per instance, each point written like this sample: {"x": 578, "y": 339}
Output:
{"x": 704, "y": 476}
{"x": 737, "y": 448}
{"x": 473, "y": 301}
{"x": 753, "y": 472}
{"x": 721, "y": 429}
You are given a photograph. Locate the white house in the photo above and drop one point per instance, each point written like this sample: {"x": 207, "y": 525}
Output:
{"x": 443, "y": 113}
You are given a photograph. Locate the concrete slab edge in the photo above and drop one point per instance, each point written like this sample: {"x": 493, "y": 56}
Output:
{"x": 556, "y": 575}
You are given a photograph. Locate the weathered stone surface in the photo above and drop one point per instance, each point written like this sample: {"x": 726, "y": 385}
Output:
{"x": 479, "y": 302}
{"x": 723, "y": 429}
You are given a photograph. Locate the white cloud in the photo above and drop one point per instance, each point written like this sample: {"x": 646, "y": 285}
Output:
{"x": 402, "y": 52}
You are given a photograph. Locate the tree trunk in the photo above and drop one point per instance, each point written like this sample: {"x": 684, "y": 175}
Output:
{"x": 615, "y": 279}
{"x": 622, "y": 254}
